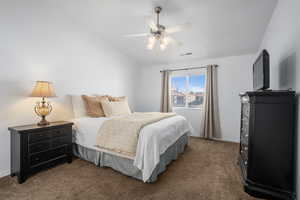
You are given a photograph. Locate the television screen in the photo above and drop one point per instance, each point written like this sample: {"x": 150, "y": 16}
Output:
{"x": 261, "y": 72}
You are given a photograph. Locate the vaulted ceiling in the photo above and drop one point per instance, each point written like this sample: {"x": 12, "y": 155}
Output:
{"x": 218, "y": 27}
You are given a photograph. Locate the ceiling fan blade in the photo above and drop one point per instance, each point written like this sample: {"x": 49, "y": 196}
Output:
{"x": 137, "y": 35}
{"x": 178, "y": 28}
{"x": 173, "y": 41}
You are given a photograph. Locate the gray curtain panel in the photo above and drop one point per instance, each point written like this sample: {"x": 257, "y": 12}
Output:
{"x": 211, "y": 127}
{"x": 165, "y": 96}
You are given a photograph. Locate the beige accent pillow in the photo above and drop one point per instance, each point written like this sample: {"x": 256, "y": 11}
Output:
{"x": 110, "y": 98}
{"x": 115, "y": 108}
{"x": 93, "y": 105}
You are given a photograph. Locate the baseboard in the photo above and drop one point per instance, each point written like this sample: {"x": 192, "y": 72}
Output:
{"x": 4, "y": 173}
{"x": 222, "y": 140}
{"x": 217, "y": 139}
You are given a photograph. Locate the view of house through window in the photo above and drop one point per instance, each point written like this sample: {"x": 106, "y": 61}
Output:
{"x": 188, "y": 90}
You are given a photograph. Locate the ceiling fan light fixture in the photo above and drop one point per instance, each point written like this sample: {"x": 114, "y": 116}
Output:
{"x": 151, "y": 42}
{"x": 159, "y": 34}
{"x": 150, "y": 47}
{"x": 165, "y": 40}
{"x": 162, "y": 47}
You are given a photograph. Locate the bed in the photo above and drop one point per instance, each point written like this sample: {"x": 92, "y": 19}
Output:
{"x": 158, "y": 145}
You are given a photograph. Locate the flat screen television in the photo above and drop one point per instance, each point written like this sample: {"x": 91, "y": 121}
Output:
{"x": 261, "y": 71}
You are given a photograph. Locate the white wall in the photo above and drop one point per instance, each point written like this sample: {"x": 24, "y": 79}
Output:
{"x": 37, "y": 43}
{"x": 234, "y": 76}
{"x": 282, "y": 40}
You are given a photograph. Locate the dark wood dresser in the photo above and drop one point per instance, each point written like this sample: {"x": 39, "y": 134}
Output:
{"x": 268, "y": 144}
{"x": 34, "y": 148}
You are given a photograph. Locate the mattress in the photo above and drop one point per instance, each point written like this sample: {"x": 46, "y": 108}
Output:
{"x": 154, "y": 140}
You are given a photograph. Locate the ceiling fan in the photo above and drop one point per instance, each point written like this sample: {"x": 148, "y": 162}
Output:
{"x": 160, "y": 34}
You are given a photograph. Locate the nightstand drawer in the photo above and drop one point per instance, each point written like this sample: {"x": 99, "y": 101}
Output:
{"x": 58, "y": 152}
{"x": 38, "y": 158}
{"x": 61, "y": 132}
{"x": 59, "y": 141}
{"x": 47, "y": 156}
{"x": 39, "y": 136}
{"x": 38, "y": 147}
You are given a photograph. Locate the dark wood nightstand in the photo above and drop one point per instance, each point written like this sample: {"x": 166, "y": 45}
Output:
{"x": 34, "y": 148}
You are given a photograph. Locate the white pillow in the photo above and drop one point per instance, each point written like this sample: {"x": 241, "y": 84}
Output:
{"x": 78, "y": 106}
{"x": 115, "y": 108}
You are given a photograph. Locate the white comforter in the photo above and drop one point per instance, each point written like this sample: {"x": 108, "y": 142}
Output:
{"x": 154, "y": 139}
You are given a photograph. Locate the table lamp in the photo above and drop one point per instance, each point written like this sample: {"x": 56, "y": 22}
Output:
{"x": 43, "y": 89}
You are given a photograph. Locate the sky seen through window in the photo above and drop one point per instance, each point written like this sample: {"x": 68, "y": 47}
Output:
{"x": 196, "y": 83}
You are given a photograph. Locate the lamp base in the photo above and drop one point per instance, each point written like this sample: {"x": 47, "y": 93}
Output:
{"x": 43, "y": 109}
{"x": 43, "y": 122}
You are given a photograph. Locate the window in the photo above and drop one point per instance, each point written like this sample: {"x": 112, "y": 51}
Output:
{"x": 188, "y": 90}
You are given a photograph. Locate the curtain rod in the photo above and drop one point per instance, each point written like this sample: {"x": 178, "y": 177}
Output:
{"x": 186, "y": 68}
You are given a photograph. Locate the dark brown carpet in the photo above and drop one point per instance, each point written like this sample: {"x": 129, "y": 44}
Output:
{"x": 206, "y": 171}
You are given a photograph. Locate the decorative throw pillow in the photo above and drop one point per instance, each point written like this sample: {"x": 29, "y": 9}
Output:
{"x": 93, "y": 105}
{"x": 115, "y": 108}
{"x": 110, "y": 98}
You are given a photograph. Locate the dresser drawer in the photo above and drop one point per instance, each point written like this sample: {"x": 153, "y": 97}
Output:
{"x": 39, "y": 136}
{"x": 47, "y": 156}
{"x": 40, "y": 146}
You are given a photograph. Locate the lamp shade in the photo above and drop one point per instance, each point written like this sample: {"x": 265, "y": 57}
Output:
{"x": 43, "y": 89}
